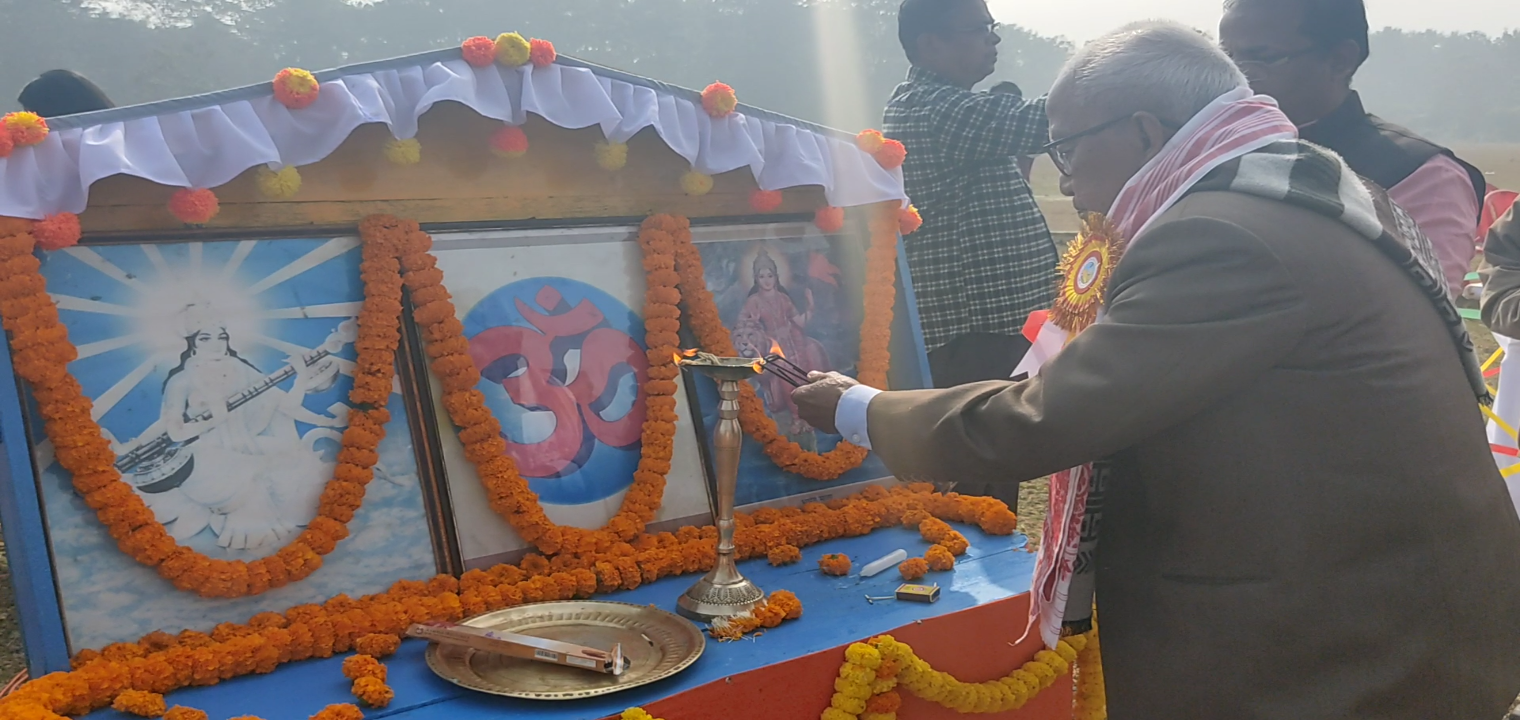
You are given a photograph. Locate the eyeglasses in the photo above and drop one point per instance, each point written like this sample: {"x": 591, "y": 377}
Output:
{"x": 990, "y": 28}
{"x": 1061, "y": 155}
{"x": 1273, "y": 61}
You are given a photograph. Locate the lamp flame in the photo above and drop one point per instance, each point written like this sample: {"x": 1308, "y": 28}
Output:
{"x": 776, "y": 349}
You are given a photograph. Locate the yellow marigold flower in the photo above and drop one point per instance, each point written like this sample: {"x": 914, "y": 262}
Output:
{"x": 863, "y": 655}
{"x": 26, "y": 128}
{"x": 180, "y": 712}
{"x": 696, "y": 184}
{"x": 403, "y": 152}
{"x": 1054, "y": 661}
{"x": 1067, "y": 651}
{"x": 1045, "y": 673}
{"x": 883, "y": 685}
{"x": 853, "y": 706}
{"x": 611, "y": 156}
{"x": 278, "y": 184}
{"x": 513, "y": 50}
{"x": 852, "y": 689}
{"x": 858, "y": 674}
{"x": 833, "y": 713}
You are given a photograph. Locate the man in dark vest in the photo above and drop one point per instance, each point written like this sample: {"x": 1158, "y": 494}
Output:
{"x": 1304, "y": 53}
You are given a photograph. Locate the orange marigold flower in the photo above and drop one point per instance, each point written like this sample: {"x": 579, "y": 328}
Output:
{"x": 479, "y": 51}
{"x": 891, "y": 154}
{"x": 7, "y": 145}
{"x": 885, "y": 703}
{"x": 913, "y": 568}
{"x": 362, "y": 666}
{"x": 719, "y": 100}
{"x": 194, "y": 206}
{"x": 765, "y": 201}
{"x": 870, "y": 141}
{"x": 784, "y": 555}
{"x": 296, "y": 88}
{"x": 829, "y": 219}
{"x": 180, "y": 712}
{"x": 344, "y": 711}
{"x": 509, "y": 142}
{"x": 909, "y": 221}
{"x": 56, "y": 232}
{"x": 834, "y": 564}
{"x": 25, "y": 128}
{"x": 541, "y": 53}
{"x": 140, "y": 703}
{"x": 940, "y": 558}
{"x": 373, "y": 692}
{"x": 378, "y": 645}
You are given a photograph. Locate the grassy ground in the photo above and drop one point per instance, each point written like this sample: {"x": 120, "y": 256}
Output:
{"x": 1502, "y": 161}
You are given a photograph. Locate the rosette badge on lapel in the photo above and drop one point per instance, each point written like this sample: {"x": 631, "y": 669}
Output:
{"x": 1085, "y": 270}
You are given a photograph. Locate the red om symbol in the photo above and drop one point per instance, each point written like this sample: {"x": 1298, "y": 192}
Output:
{"x": 530, "y": 363}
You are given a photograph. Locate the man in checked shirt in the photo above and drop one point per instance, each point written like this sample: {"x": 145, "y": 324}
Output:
{"x": 984, "y": 259}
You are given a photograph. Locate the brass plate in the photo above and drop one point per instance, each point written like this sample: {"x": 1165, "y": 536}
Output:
{"x": 657, "y": 643}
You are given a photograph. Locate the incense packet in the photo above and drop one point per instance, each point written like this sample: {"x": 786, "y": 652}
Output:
{"x": 525, "y": 647}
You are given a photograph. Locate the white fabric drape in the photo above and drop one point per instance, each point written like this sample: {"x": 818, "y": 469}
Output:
{"x": 185, "y": 143}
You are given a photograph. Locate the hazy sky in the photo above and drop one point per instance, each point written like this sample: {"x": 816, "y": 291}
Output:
{"x": 1084, "y": 19}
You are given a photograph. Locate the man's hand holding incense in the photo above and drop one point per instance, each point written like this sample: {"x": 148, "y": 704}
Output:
{"x": 818, "y": 400}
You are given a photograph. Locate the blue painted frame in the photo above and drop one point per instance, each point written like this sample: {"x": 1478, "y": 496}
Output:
{"x": 26, "y": 544}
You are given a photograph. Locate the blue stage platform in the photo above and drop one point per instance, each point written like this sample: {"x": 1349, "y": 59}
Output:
{"x": 835, "y": 614}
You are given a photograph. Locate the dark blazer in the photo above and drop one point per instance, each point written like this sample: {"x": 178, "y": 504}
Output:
{"x": 1304, "y": 521}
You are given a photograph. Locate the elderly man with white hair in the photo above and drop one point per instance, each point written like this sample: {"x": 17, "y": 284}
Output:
{"x": 1276, "y": 404}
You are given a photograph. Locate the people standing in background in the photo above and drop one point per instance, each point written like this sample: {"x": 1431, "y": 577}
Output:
{"x": 984, "y": 258}
{"x": 1501, "y": 313}
{"x": 62, "y": 92}
{"x": 1304, "y": 53}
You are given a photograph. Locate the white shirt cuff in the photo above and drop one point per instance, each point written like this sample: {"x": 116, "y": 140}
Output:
{"x": 850, "y": 416}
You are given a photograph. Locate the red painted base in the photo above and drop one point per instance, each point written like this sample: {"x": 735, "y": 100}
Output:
{"x": 974, "y": 645}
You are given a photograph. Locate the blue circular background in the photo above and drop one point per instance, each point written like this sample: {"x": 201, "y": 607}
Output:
{"x": 609, "y": 470}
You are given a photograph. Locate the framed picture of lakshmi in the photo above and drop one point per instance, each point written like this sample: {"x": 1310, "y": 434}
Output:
{"x": 792, "y": 290}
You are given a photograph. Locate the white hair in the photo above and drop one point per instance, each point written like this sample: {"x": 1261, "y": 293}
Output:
{"x": 1165, "y": 68}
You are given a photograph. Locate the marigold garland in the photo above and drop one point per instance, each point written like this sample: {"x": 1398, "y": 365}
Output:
{"x": 161, "y": 662}
{"x": 403, "y": 152}
{"x": 891, "y": 155}
{"x": 870, "y": 141}
{"x": 1091, "y": 701}
{"x": 25, "y": 128}
{"x": 637, "y": 714}
{"x": 7, "y": 146}
{"x": 43, "y": 351}
{"x": 875, "y": 337}
{"x": 296, "y": 88}
{"x": 377, "y": 645}
{"x": 875, "y": 669}
{"x": 909, "y": 221}
{"x": 478, "y": 51}
{"x": 719, "y": 100}
{"x": 781, "y": 606}
{"x": 56, "y": 232}
{"x": 784, "y": 555}
{"x": 194, "y": 206}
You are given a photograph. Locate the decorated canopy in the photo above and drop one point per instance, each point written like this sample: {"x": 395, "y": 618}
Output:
{"x": 205, "y": 141}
